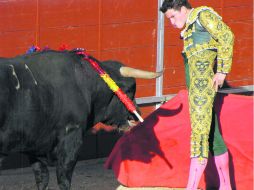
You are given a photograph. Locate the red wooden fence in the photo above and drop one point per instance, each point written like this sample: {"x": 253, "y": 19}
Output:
{"x": 122, "y": 30}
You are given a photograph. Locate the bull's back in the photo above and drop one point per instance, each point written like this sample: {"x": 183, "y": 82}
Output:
{"x": 46, "y": 93}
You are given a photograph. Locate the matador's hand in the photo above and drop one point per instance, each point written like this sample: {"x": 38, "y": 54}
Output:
{"x": 218, "y": 80}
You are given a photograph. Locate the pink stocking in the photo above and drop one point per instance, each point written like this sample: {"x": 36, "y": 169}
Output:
{"x": 197, "y": 168}
{"x": 221, "y": 163}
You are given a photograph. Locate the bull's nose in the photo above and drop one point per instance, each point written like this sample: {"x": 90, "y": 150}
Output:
{"x": 132, "y": 123}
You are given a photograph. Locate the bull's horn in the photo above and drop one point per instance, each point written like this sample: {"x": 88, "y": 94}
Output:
{"x": 137, "y": 73}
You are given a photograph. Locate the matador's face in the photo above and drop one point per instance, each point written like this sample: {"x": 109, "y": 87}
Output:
{"x": 177, "y": 17}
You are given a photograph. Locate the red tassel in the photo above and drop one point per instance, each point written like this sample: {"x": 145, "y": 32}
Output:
{"x": 37, "y": 48}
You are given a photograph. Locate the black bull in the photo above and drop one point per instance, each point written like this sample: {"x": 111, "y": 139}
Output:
{"x": 47, "y": 102}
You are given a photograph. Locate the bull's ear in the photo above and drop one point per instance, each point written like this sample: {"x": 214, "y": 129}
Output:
{"x": 10, "y": 69}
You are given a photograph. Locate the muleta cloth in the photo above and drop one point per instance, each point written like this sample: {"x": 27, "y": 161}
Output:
{"x": 155, "y": 153}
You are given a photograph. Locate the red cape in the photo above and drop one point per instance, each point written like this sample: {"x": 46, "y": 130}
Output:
{"x": 156, "y": 152}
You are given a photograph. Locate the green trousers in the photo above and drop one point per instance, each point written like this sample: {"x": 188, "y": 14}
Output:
{"x": 217, "y": 145}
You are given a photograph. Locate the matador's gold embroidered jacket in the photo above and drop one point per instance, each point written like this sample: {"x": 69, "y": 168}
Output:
{"x": 219, "y": 36}
{"x": 206, "y": 38}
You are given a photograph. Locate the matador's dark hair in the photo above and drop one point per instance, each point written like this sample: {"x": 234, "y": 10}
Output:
{"x": 174, "y": 4}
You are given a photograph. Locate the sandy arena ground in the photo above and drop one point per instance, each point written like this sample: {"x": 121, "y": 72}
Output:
{"x": 88, "y": 175}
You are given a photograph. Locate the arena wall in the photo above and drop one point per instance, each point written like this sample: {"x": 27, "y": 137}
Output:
{"x": 120, "y": 30}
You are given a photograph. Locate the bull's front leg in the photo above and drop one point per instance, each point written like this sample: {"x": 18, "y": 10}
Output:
{"x": 41, "y": 173}
{"x": 1, "y": 161}
{"x": 67, "y": 153}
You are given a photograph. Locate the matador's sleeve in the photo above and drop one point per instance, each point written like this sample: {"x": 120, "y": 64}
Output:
{"x": 224, "y": 37}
